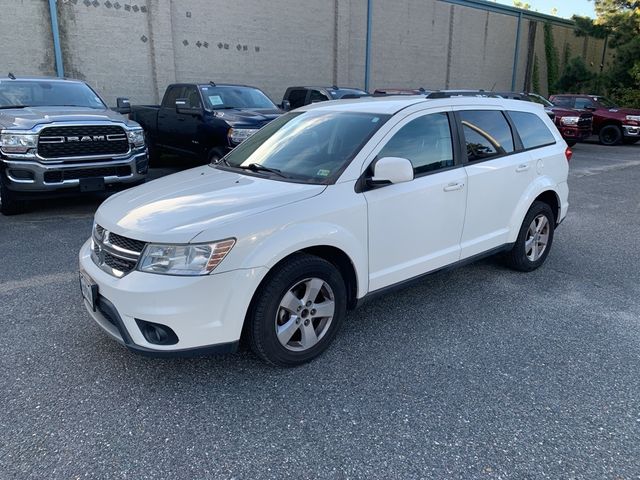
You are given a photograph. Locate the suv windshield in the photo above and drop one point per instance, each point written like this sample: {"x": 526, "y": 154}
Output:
{"x": 220, "y": 97}
{"x": 43, "y": 93}
{"x": 312, "y": 147}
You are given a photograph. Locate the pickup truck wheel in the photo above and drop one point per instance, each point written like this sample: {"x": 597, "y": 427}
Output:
{"x": 610, "y": 135}
{"x": 9, "y": 204}
{"x": 297, "y": 311}
{"x": 153, "y": 153}
{"x": 214, "y": 156}
{"x": 630, "y": 141}
{"x": 534, "y": 239}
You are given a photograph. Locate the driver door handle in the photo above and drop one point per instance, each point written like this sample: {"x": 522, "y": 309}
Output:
{"x": 452, "y": 187}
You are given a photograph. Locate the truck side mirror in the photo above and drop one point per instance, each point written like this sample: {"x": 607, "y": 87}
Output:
{"x": 285, "y": 105}
{"x": 123, "y": 105}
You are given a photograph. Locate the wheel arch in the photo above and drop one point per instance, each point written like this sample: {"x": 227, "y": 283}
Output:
{"x": 544, "y": 191}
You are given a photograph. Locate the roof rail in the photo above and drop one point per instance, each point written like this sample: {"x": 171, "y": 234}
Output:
{"x": 11, "y": 76}
{"x": 461, "y": 93}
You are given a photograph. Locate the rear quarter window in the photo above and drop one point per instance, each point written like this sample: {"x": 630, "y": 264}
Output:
{"x": 532, "y": 130}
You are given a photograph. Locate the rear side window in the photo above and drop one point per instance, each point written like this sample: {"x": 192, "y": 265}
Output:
{"x": 425, "y": 142}
{"x": 297, "y": 97}
{"x": 532, "y": 130}
{"x": 487, "y": 134}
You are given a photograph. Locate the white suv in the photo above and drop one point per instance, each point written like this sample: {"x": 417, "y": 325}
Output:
{"x": 319, "y": 209}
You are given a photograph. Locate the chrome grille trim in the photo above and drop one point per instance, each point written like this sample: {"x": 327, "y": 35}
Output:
{"x": 111, "y": 257}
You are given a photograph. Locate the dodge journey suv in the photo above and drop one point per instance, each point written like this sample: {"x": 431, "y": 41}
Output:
{"x": 319, "y": 209}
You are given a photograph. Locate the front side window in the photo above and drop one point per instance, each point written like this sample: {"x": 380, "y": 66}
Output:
{"x": 487, "y": 134}
{"x": 297, "y": 97}
{"x": 43, "y": 93}
{"x": 192, "y": 97}
{"x": 172, "y": 95}
{"x": 317, "y": 96}
{"x": 425, "y": 142}
{"x": 310, "y": 147}
{"x": 532, "y": 130}
{"x": 584, "y": 103}
{"x": 228, "y": 96}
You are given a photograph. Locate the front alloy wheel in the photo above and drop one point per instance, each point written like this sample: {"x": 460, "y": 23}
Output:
{"x": 297, "y": 311}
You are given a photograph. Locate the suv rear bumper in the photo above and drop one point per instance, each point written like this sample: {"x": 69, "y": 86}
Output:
{"x": 31, "y": 176}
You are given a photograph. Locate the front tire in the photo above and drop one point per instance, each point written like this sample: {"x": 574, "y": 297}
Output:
{"x": 9, "y": 204}
{"x": 534, "y": 239}
{"x": 610, "y": 135}
{"x": 297, "y": 311}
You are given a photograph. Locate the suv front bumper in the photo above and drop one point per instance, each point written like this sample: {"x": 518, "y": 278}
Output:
{"x": 631, "y": 130}
{"x": 33, "y": 176}
{"x": 206, "y": 312}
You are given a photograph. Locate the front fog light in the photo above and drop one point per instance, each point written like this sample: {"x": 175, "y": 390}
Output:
{"x": 185, "y": 260}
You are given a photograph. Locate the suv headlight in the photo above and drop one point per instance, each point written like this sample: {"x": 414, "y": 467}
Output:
{"x": 18, "y": 142}
{"x": 569, "y": 120}
{"x": 185, "y": 260}
{"x": 239, "y": 135}
{"x": 633, "y": 118}
{"x": 136, "y": 137}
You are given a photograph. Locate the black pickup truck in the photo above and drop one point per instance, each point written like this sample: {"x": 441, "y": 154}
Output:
{"x": 58, "y": 136}
{"x": 204, "y": 121}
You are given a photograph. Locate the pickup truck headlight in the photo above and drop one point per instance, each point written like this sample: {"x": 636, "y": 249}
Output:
{"x": 238, "y": 135}
{"x": 136, "y": 137}
{"x": 633, "y": 118}
{"x": 18, "y": 142}
{"x": 184, "y": 260}
{"x": 569, "y": 120}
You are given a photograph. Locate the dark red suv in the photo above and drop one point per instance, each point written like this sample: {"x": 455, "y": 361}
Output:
{"x": 612, "y": 124}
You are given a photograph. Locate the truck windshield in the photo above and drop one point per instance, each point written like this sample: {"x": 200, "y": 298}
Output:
{"x": 43, "y": 93}
{"x": 220, "y": 97}
{"x": 541, "y": 100}
{"x": 311, "y": 147}
{"x": 605, "y": 102}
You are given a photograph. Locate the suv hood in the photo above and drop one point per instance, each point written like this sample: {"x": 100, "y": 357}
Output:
{"x": 29, "y": 117}
{"x": 250, "y": 117}
{"x": 176, "y": 208}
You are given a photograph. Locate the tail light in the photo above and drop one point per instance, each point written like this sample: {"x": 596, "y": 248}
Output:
{"x": 568, "y": 153}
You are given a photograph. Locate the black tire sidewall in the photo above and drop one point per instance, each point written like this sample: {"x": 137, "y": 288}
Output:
{"x": 262, "y": 314}
{"x": 610, "y": 128}
{"x": 518, "y": 254}
{"x": 9, "y": 204}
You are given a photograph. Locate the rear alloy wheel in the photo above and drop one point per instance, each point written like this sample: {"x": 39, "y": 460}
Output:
{"x": 534, "y": 239}
{"x": 610, "y": 135}
{"x": 297, "y": 311}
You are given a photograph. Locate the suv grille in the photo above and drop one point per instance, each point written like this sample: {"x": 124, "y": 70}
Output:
{"x": 113, "y": 253}
{"x": 82, "y": 141}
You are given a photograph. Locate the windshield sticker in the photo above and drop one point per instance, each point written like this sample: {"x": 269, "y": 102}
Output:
{"x": 323, "y": 173}
{"x": 215, "y": 100}
{"x": 375, "y": 120}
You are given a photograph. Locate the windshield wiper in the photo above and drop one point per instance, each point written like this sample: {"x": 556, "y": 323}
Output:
{"x": 256, "y": 167}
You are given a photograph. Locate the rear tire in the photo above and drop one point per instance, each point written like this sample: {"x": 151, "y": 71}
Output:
{"x": 610, "y": 135}
{"x": 534, "y": 239}
{"x": 9, "y": 203}
{"x": 297, "y": 311}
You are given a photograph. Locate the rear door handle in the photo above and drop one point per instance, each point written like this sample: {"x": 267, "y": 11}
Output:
{"x": 522, "y": 168}
{"x": 452, "y": 187}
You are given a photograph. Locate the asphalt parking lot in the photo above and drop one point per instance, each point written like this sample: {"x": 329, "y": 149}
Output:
{"x": 479, "y": 372}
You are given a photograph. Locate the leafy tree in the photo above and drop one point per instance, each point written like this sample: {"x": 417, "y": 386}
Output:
{"x": 522, "y": 5}
{"x": 576, "y": 77}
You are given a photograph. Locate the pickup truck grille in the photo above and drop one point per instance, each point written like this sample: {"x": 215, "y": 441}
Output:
{"x": 115, "y": 254}
{"x": 585, "y": 120}
{"x": 82, "y": 141}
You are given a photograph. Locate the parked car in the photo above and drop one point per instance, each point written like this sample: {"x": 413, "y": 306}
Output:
{"x": 323, "y": 207}
{"x": 611, "y": 123}
{"x": 204, "y": 120}
{"x": 58, "y": 136}
{"x": 574, "y": 125}
{"x": 296, "y": 97}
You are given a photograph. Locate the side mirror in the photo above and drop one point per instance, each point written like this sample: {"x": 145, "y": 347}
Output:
{"x": 182, "y": 106}
{"x": 389, "y": 170}
{"x": 123, "y": 105}
{"x": 285, "y": 105}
